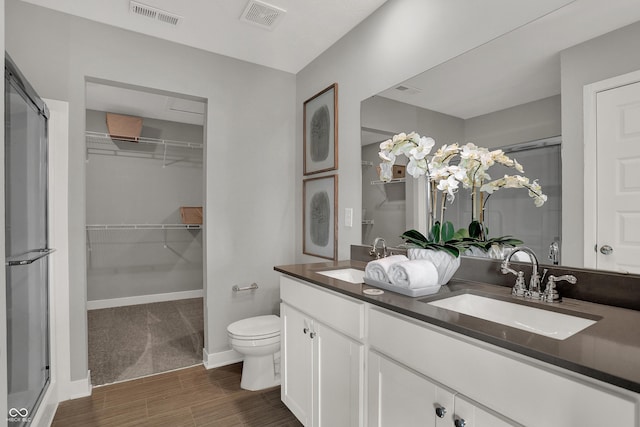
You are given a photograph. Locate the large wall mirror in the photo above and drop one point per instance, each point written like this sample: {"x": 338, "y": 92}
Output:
{"x": 521, "y": 92}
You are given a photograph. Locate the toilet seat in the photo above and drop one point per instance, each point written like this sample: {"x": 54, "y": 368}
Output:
{"x": 255, "y": 328}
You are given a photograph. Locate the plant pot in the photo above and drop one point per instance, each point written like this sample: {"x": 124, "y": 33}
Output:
{"x": 445, "y": 263}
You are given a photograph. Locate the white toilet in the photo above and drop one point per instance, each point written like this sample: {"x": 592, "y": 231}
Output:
{"x": 258, "y": 340}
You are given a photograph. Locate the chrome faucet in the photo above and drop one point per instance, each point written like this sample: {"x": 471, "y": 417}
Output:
{"x": 519, "y": 288}
{"x": 551, "y": 293}
{"x": 374, "y": 252}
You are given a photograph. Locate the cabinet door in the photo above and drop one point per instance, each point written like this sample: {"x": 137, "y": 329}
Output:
{"x": 297, "y": 363}
{"x": 398, "y": 396}
{"x": 470, "y": 414}
{"x": 339, "y": 379}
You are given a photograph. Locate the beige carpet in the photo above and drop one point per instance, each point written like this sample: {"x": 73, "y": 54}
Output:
{"x": 139, "y": 340}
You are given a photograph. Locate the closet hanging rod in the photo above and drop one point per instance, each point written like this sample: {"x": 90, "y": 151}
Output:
{"x": 91, "y": 227}
{"x": 105, "y": 138}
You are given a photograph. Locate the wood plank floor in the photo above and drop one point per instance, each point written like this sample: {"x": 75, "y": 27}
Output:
{"x": 188, "y": 397}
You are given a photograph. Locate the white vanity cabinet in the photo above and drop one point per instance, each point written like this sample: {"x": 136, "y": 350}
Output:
{"x": 399, "y": 396}
{"x": 322, "y": 359}
{"x": 414, "y": 367}
{"x": 516, "y": 387}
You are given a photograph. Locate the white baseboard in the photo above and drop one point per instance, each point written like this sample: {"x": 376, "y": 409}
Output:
{"x": 222, "y": 358}
{"x": 80, "y": 388}
{"x": 143, "y": 299}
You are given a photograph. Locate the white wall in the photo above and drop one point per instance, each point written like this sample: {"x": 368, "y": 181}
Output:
{"x": 610, "y": 55}
{"x": 249, "y": 155}
{"x": 396, "y": 42}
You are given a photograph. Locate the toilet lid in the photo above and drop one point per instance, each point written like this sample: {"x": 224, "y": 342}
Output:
{"x": 258, "y": 326}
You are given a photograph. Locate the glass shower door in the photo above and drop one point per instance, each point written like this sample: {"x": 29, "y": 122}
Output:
{"x": 26, "y": 247}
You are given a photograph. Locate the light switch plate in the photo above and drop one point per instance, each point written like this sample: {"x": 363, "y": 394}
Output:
{"x": 348, "y": 217}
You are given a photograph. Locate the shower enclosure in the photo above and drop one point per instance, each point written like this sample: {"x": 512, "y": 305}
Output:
{"x": 27, "y": 246}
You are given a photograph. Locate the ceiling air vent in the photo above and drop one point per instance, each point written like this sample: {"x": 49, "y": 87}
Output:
{"x": 154, "y": 13}
{"x": 262, "y": 14}
{"x": 407, "y": 89}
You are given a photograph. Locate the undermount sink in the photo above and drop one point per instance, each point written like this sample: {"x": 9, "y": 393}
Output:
{"x": 551, "y": 324}
{"x": 350, "y": 275}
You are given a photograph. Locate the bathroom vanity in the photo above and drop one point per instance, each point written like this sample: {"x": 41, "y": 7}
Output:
{"x": 389, "y": 360}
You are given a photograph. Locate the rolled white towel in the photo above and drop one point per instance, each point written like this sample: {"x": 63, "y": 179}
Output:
{"x": 378, "y": 269}
{"x": 414, "y": 274}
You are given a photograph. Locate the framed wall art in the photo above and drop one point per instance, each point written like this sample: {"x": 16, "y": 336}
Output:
{"x": 321, "y": 131}
{"x": 319, "y": 223}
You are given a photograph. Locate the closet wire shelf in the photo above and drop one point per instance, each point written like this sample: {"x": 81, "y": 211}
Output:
{"x": 105, "y": 138}
{"x": 92, "y": 227}
{"x": 169, "y": 151}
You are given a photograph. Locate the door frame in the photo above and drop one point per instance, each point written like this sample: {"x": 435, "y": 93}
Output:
{"x": 590, "y": 93}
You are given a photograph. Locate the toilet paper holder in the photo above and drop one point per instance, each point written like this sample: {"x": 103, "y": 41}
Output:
{"x": 251, "y": 287}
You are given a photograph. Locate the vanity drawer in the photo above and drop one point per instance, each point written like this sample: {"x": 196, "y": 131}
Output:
{"x": 339, "y": 312}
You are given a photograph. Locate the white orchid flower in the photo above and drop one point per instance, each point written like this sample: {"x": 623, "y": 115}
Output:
{"x": 417, "y": 167}
{"x": 386, "y": 145}
{"x": 386, "y": 171}
{"x": 449, "y": 186}
{"x": 425, "y": 144}
{"x": 387, "y": 156}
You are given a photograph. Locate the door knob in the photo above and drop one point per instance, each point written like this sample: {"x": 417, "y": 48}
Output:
{"x": 305, "y": 330}
{"x": 606, "y": 250}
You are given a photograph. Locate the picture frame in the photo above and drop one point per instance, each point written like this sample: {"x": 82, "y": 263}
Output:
{"x": 321, "y": 131}
{"x": 320, "y": 219}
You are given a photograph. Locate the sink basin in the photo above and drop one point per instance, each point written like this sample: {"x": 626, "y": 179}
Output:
{"x": 551, "y": 324}
{"x": 350, "y": 275}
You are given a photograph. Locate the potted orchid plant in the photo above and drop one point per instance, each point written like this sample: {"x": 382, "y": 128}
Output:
{"x": 447, "y": 170}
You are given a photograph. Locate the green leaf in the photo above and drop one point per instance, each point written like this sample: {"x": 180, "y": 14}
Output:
{"x": 452, "y": 250}
{"x": 435, "y": 232}
{"x": 475, "y": 230}
{"x": 461, "y": 234}
{"x": 415, "y": 237}
{"x": 447, "y": 231}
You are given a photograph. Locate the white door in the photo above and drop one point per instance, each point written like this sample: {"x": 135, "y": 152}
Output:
{"x": 399, "y": 396}
{"x": 338, "y": 379}
{"x": 618, "y": 177}
{"x": 297, "y": 363}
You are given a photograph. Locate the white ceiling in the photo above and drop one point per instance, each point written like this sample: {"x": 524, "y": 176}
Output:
{"x": 307, "y": 29}
{"x": 519, "y": 67}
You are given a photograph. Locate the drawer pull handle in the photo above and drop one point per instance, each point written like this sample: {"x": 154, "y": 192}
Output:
{"x": 305, "y": 330}
{"x": 440, "y": 411}
{"x": 460, "y": 422}
{"x": 312, "y": 335}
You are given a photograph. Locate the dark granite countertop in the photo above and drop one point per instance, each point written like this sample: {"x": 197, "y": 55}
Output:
{"x": 608, "y": 350}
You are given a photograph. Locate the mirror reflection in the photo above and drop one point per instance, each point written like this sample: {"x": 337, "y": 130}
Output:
{"x": 506, "y": 94}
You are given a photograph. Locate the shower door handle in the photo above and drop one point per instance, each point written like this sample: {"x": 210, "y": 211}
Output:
{"x": 28, "y": 257}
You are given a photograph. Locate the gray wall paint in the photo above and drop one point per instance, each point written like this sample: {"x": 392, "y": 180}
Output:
{"x": 128, "y": 186}
{"x": 522, "y": 123}
{"x": 249, "y": 156}
{"x": 374, "y": 56}
{"x": 610, "y": 55}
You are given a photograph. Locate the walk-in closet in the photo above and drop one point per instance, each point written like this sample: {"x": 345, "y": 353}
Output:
{"x": 144, "y": 232}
